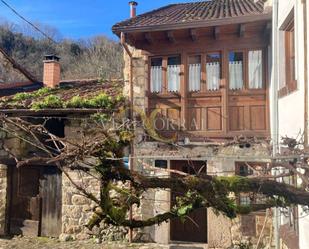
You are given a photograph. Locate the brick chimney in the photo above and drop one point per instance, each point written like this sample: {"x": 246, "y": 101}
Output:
{"x": 51, "y": 74}
{"x": 133, "y": 5}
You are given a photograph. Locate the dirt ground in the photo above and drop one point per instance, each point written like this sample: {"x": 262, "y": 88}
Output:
{"x": 46, "y": 243}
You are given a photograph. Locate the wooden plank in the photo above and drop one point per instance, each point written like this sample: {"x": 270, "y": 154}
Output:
{"x": 149, "y": 38}
{"x": 195, "y": 119}
{"x": 214, "y": 118}
{"x": 242, "y": 29}
{"x": 25, "y": 204}
{"x": 170, "y": 36}
{"x": 257, "y": 118}
{"x": 184, "y": 90}
{"x": 193, "y": 35}
{"x": 51, "y": 206}
{"x": 236, "y": 118}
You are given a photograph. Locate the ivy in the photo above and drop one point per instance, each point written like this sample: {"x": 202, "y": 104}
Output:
{"x": 51, "y": 101}
{"x": 100, "y": 101}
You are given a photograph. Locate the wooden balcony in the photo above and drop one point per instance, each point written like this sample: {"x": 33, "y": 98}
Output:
{"x": 216, "y": 114}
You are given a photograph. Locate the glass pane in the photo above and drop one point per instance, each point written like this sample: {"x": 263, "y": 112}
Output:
{"x": 213, "y": 71}
{"x": 173, "y": 73}
{"x": 156, "y": 75}
{"x": 236, "y": 60}
{"x": 292, "y": 51}
{"x": 195, "y": 73}
{"x": 255, "y": 69}
{"x": 156, "y": 62}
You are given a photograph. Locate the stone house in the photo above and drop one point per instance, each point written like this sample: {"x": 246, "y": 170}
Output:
{"x": 204, "y": 68}
{"x": 39, "y": 200}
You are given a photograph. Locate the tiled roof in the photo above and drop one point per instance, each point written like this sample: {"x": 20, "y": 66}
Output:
{"x": 16, "y": 87}
{"x": 190, "y": 13}
{"x": 66, "y": 91}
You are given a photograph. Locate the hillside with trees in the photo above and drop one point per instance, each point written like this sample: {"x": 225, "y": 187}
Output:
{"x": 85, "y": 58}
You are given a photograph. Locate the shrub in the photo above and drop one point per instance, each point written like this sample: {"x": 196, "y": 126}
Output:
{"x": 50, "y": 101}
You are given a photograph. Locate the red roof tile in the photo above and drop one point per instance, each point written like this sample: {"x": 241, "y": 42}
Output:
{"x": 190, "y": 13}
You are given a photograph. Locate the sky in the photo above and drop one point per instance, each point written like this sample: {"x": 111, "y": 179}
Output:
{"x": 78, "y": 18}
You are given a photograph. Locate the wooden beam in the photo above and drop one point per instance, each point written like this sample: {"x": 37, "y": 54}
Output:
{"x": 267, "y": 28}
{"x": 242, "y": 30}
{"x": 148, "y": 37}
{"x": 216, "y": 33}
{"x": 170, "y": 36}
{"x": 193, "y": 34}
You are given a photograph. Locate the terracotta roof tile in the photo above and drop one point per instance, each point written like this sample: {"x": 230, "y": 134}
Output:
{"x": 7, "y": 89}
{"x": 194, "y": 12}
{"x": 66, "y": 91}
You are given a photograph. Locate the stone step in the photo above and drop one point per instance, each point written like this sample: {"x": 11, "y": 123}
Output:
{"x": 188, "y": 246}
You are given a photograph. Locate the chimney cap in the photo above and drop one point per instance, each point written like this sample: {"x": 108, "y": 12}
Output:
{"x": 133, "y": 3}
{"x": 51, "y": 57}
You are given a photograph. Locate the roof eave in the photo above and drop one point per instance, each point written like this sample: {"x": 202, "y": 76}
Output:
{"x": 196, "y": 24}
{"x": 62, "y": 111}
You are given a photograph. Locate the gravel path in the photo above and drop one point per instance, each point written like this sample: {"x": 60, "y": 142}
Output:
{"x": 46, "y": 243}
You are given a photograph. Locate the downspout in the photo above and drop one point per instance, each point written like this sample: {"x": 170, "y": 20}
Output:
{"x": 131, "y": 157}
{"x": 275, "y": 110}
{"x": 305, "y": 73}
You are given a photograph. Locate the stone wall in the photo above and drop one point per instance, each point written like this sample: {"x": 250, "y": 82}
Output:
{"x": 222, "y": 232}
{"x": 3, "y": 198}
{"x": 77, "y": 210}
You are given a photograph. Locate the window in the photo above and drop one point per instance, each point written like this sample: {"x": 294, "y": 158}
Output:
{"x": 194, "y": 73}
{"x": 162, "y": 164}
{"x": 290, "y": 83}
{"x": 156, "y": 75}
{"x": 173, "y": 73}
{"x": 255, "y": 69}
{"x": 290, "y": 56}
{"x": 236, "y": 63}
{"x": 213, "y": 71}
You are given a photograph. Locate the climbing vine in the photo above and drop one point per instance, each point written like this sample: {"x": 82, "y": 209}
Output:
{"x": 121, "y": 188}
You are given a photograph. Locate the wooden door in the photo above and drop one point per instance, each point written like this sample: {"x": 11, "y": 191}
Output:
{"x": 25, "y": 209}
{"x": 35, "y": 206}
{"x": 51, "y": 205}
{"x": 194, "y": 228}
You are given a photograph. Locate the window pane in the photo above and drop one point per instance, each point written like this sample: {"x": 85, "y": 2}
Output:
{"x": 195, "y": 73}
{"x": 236, "y": 60}
{"x": 292, "y": 54}
{"x": 213, "y": 71}
{"x": 173, "y": 73}
{"x": 156, "y": 75}
{"x": 255, "y": 69}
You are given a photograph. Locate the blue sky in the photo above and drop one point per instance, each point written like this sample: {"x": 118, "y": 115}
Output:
{"x": 78, "y": 18}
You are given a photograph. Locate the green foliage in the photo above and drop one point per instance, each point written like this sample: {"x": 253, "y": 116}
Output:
{"x": 24, "y": 96}
{"x": 76, "y": 102}
{"x": 187, "y": 203}
{"x": 242, "y": 245}
{"x": 101, "y": 101}
{"x": 42, "y": 91}
{"x": 235, "y": 184}
{"x": 49, "y": 102}
{"x": 100, "y": 117}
